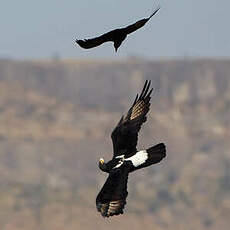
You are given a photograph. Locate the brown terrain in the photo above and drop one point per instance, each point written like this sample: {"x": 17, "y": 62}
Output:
{"x": 56, "y": 117}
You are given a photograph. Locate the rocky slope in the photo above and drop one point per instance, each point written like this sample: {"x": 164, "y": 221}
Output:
{"x": 55, "y": 122}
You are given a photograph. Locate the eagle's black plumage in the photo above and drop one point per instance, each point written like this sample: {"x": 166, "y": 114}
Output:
{"x": 112, "y": 197}
{"x": 117, "y": 36}
{"x": 125, "y": 134}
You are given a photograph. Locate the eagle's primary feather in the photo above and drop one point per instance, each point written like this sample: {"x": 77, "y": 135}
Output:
{"x": 125, "y": 134}
{"x": 112, "y": 198}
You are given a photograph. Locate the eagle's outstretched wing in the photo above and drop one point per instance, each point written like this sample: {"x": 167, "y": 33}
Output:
{"x": 137, "y": 25}
{"x": 111, "y": 199}
{"x": 125, "y": 134}
{"x": 93, "y": 42}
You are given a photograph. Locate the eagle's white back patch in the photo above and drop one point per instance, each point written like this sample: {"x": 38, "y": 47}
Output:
{"x": 139, "y": 158}
{"x": 120, "y": 163}
{"x": 120, "y": 156}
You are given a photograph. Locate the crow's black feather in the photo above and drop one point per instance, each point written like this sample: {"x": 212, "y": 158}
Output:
{"x": 117, "y": 36}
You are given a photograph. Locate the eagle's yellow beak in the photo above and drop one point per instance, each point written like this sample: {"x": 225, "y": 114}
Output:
{"x": 101, "y": 161}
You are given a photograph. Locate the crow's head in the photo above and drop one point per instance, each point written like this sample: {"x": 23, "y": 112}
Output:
{"x": 118, "y": 41}
{"x": 117, "y": 45}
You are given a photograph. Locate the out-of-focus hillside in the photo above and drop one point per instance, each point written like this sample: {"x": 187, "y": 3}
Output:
{"x": 55, "y": 123}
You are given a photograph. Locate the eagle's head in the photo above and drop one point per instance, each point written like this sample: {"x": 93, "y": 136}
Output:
{"x": 102, "y": 165}
{"x": 101, "y": 161}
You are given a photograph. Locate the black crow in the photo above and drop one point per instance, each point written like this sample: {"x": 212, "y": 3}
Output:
{"x": 116, "y": 36}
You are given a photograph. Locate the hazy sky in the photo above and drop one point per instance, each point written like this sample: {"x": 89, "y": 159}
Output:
{"x": 46, "y": 28}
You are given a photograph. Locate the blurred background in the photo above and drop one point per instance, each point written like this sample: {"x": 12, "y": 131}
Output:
{"x": 59, "y": 104}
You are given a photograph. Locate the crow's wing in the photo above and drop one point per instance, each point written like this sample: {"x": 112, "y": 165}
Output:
{"x": 93, "y": 42}
{"x": 137, "y": 25}
{"x": 125, "y": 134}
{"x": 111, "y": 199}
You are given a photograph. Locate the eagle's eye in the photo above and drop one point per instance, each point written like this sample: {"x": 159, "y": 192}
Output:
{"x": 101, "y": 161}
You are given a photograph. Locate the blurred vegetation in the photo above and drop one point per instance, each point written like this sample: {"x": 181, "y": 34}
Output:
{"x": 55, "y": 123}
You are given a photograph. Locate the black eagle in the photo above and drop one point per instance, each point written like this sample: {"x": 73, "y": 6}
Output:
{"x": 112, "y": 197}
{"x": 116, "y": 36}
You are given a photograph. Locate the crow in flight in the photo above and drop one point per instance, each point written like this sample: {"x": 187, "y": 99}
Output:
{"x": 112, "y": 197}
{"x": 116, "y": 36}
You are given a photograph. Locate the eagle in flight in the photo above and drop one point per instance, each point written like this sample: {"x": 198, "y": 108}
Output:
{"x": 126, "y": 158}
{"x": 116, "y": 36}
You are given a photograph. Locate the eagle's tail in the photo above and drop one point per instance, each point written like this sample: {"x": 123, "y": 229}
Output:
{"x": 156, "y": 153}
{"x": 154, "y": 12}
